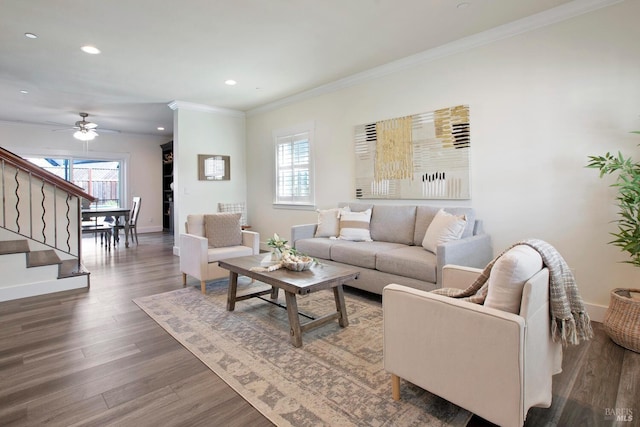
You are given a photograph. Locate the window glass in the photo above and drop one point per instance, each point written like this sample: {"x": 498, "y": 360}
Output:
{"x": 100, "y": 178}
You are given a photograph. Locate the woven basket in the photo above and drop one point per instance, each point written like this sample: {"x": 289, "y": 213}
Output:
{"x": 622, "y": 321}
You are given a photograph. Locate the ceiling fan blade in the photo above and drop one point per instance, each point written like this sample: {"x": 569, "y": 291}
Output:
{"x": 102, "y": 130}
{"x": 66, "y": 125}
{"x": 90, "y": 125}
{"x": 65, "y": 129}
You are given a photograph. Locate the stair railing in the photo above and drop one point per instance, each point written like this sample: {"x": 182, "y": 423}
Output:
{"x": 40, "y": 205}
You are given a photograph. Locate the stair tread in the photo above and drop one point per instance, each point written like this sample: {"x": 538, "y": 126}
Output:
{"x": 14, "y": 247}
{"x": 41, "y": 258}
{"x": 70, "y": 268}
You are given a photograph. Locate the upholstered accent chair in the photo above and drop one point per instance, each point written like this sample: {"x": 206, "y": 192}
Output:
{"x": 209, "y": 239}
{"x": 494, "y": 363}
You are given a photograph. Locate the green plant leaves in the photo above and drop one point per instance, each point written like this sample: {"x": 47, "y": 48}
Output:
{"x": 627, "y": 238}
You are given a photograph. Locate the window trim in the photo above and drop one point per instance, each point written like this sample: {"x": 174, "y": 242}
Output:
{"x": 309, "y": 128}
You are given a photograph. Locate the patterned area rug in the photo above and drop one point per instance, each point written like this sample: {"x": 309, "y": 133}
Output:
{"x": 335, "y": 379}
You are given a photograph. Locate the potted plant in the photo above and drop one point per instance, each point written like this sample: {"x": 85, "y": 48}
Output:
{"x": 622, "y": 320}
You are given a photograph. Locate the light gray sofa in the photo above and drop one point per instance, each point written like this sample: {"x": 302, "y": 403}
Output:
{"x": 396, "y": 254}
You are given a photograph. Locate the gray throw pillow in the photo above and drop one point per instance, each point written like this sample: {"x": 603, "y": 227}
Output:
{"x": 223, "y": 229}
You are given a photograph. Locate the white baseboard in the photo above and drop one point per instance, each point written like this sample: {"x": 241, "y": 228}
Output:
{"x": 150, "y": 229}
{"x": 42, "y": 288}
{"x": 596, "y": 312}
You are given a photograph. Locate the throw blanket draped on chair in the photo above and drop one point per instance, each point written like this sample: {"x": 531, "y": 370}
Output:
{"x": 570, "y": 321}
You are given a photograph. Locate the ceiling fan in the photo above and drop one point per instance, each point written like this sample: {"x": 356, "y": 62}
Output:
{"x": 86, "y": 130}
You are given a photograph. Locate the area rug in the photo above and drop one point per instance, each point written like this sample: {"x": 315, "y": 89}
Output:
{"x": 335, "y": 379}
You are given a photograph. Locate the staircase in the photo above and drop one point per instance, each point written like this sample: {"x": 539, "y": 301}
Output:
{"x": 40, "y": 231}
{"x": 27, "y": 272}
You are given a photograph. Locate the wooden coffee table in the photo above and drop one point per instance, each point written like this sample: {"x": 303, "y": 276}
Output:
{"x": 293, "y": 283}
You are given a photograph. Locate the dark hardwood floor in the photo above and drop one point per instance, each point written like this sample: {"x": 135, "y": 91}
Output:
{"x": 91, "y": 357}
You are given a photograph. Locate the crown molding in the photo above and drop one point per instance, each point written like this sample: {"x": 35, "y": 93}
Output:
{"x": 192, "y": 106}
{"x": 530, "y": 23}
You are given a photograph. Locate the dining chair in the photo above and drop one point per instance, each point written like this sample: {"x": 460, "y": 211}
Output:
{"x": 133, "y": 221}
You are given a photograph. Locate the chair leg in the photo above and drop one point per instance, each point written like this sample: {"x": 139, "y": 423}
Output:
{"x": 203, "y": 287}
{"x": 184, "y": 280}
{"x": 395, "y": 387}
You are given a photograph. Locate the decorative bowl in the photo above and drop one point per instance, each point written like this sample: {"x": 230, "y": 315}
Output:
{"x": 304, "y": 264}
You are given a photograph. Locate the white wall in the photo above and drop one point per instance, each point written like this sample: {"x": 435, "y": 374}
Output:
{"x": 198, "y": 131}
{"x": 540, "y": 103}
{"x": 143, "y": 152}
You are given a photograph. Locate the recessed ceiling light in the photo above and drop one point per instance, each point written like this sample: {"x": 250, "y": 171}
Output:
{"x": 30, "y": 36}
{"x": 160, "y": 128}
{"x": 24, "y": 91}
{"x": 230, "y": 82}
{"x": 90, "y": 49}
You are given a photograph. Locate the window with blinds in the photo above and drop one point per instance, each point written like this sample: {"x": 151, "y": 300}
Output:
{"x": 294, "y": 175}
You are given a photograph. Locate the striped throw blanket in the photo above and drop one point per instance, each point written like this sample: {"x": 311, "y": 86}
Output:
{"x": 570, "y": 321}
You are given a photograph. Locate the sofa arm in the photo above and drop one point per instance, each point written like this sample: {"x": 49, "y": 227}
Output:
{"x": 458, "y": 276}
{"x": 304, "y": 231}
{"x": 251, "y": 239}
{"x": 474, "y": 251}
{"x": 466, "y": 353}
{"x": 193, "y": 255}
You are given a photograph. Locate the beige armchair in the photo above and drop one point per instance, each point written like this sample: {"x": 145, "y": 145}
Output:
{"x": 198, "y": 259}
{"x": 493, "y": 363}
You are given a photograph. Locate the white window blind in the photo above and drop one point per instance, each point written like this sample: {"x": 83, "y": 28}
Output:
{"x": 294, "y": 173}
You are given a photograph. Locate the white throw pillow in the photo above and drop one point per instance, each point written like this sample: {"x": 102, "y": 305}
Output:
{"x": 508, "y": 276}
{"x": 238, "y": 207}
{"x": 355, "y": 225}
{"x": 328, "y": 223}
{"x": 443, "y": 228}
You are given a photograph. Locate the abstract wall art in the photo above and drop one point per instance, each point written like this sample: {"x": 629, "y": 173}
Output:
{"x": 423, "y": 156}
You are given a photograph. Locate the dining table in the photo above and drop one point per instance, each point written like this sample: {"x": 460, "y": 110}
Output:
{"x": 120, "y": 215}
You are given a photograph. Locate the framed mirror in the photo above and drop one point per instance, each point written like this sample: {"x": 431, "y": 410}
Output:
{"x": 213, "y": 167}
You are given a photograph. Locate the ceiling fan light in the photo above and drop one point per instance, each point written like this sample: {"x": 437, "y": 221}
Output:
{"x": 84, "y": 135}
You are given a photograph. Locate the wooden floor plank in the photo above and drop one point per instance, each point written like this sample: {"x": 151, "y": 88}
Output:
{"x": 596, "y": 387}
{"x": 72, "y": 413}
{"x": 147, "y": 380}
{"x": 628, "y": 398}
{"x": 133, "y": 412}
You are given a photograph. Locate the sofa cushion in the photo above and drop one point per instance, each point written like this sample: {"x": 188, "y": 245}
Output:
{"x": 425, "y": 214}
{"x": 223, "y": 229}
{"x": 508, "y": 276}
{"x": 408, "y": 261}
{"x": 443, "y": 228}
{"x": 318, "y": 247}
{"x": 217, "y": 254}
{"x": 354, "y": 226}
{"x": 328, "y": 223}
{"x": 361, "y": 254}
{"x": 195, "y": 225}
{"x": 394, "y": 224}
